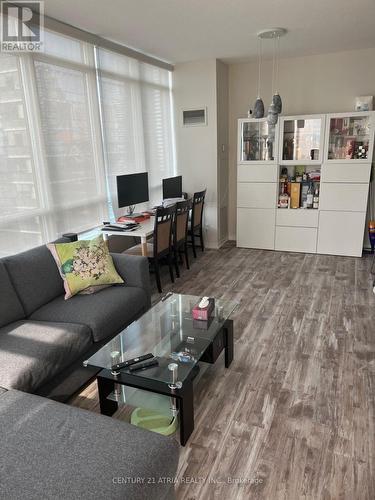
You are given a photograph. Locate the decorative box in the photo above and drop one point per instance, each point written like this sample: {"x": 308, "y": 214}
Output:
{"x": 204, "y": 313}
{"x": 201, "y": 324}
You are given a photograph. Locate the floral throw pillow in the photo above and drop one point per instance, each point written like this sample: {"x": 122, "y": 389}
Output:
{"x": 84, "y": 265}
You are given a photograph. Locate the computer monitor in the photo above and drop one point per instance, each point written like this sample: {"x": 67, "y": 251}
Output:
{"x": 172, "y": 187}
{"x": 132, "y": 189}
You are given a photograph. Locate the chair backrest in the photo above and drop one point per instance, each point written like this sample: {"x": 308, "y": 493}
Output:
{"x": 181, "y": 221}
{"x": 197, "y": 211}
{"x": 163, "y": 230}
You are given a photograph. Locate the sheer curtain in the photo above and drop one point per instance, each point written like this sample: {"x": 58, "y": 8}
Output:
{"x": 21, "y": 205}
{"x": 74, "y": 180}
{"x": 52, "y": 171}
{"x": 68, "y": 126}
{"x": 136, "y": 113}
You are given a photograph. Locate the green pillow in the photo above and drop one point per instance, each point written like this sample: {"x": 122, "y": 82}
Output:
{"x": 84, "y": 264}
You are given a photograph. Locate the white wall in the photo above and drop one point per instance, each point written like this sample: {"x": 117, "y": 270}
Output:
{"x": 194, "y": 86}
{"x": 315, "y": 84}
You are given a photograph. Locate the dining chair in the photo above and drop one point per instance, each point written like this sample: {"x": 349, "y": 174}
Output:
{"x": 161, "y": 246}
{"x": 196, "y": 220}
{"x": 180, "y": 233}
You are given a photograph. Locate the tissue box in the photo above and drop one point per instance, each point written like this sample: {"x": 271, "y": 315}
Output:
{"x": 205, "y": 313}
{"x": 201, "y": 324}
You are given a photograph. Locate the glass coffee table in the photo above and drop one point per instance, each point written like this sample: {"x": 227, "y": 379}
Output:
{"x": 169, "y": 332}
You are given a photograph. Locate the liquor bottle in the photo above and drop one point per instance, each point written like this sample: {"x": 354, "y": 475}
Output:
{"x": 316, "y": 199}
{"x": 283, "y": 200}
{"x": 310, "y": 196}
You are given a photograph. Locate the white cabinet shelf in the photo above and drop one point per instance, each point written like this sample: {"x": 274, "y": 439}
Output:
{"x": 346, "y": 172}
{"x": 256, "y": 195}
{"x": 256, "y": 228}
{"x": 296, "y": 239}
{"x": 341, "y": 146}
{"x": 346, "y": 133}
{"x": 341, "y": 233}
{"x": 301, "y": 140}
{"x": 343, "y": 197}
{"x": 257, "y": 141}
{"x": 257, "y": 173}
{"x": 298, "y": 217}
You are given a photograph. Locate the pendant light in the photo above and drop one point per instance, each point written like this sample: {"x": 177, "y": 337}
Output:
{"x": 259, "y": 105}
{"x": 276, "y": 99}
{"x": 276, "y": 102}
{"x": 272, "y": 115}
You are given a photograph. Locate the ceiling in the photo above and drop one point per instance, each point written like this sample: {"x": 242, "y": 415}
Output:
{"x": 188, "y": 30}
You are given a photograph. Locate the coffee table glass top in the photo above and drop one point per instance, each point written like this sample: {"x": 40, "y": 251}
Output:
{"x": 170, "y": 333}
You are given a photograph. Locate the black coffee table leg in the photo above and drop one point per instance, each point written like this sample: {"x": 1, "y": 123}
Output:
{"x": 186, "y": 412}
{"x": 105, "y": 387}
{"x": 228, "y": 332}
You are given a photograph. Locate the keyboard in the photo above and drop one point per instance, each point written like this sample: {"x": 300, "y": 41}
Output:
{"x": 129, "y": 226}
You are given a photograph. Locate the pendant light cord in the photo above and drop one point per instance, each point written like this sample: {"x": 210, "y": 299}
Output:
{"x": 259, "y": 63}
{"x": 273, "y": 65}
{"x": 277, "y": 63}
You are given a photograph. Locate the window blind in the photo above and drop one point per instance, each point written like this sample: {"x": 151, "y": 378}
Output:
{"x": 136, "y": 112}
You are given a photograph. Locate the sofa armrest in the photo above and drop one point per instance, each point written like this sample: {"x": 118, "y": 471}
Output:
{"x": 134, "y": 270}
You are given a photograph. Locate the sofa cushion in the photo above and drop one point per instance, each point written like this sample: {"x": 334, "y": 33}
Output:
{"x": 10, "y": 307}
{"x": 68, "y": 453}
{"x": 31, "y": 352}
{"x": 134, "y": 271}
{"x": 106, "y": 312}
{"x": 35, "y": 277}
{"x": 84, "y": 264}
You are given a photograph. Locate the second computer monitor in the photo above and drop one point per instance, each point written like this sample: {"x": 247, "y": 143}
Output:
{"x": 172, "y": 187}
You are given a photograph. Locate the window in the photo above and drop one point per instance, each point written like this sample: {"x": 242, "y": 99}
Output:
{"x": 20, "y": 201}
{"x": 136, "y": 119}
{"x": 67, "y": 128}
{"x": 74, "y": 174}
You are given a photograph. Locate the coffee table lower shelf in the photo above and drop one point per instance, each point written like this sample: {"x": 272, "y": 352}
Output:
{"x": 184, "y": 396}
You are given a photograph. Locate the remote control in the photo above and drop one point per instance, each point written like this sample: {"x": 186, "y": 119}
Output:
{"x": 144, "y": 366}
{"x": 132, "y": 361}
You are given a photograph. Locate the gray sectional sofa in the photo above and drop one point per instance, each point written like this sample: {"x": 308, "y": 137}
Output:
{"x": 44, "y": 338}
{"x": 52, "y": 451}
{"x": 48, "y": 449}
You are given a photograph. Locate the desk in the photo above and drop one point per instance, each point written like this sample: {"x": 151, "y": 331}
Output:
{"x": 145, "y": 229}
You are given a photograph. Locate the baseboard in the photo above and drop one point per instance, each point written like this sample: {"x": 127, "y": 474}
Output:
{"x": 213, "y": 244}
{"x": 222, "y": 242}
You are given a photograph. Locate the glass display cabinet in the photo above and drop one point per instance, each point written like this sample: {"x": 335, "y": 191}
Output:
{"x": 350, "y": 137}
{"x": 301, "y": 139}
{"x": 313, "y": 192}
{"x": 257, "y": 141}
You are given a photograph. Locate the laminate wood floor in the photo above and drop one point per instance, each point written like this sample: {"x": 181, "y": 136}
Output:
{"x": 293, "y": 417}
